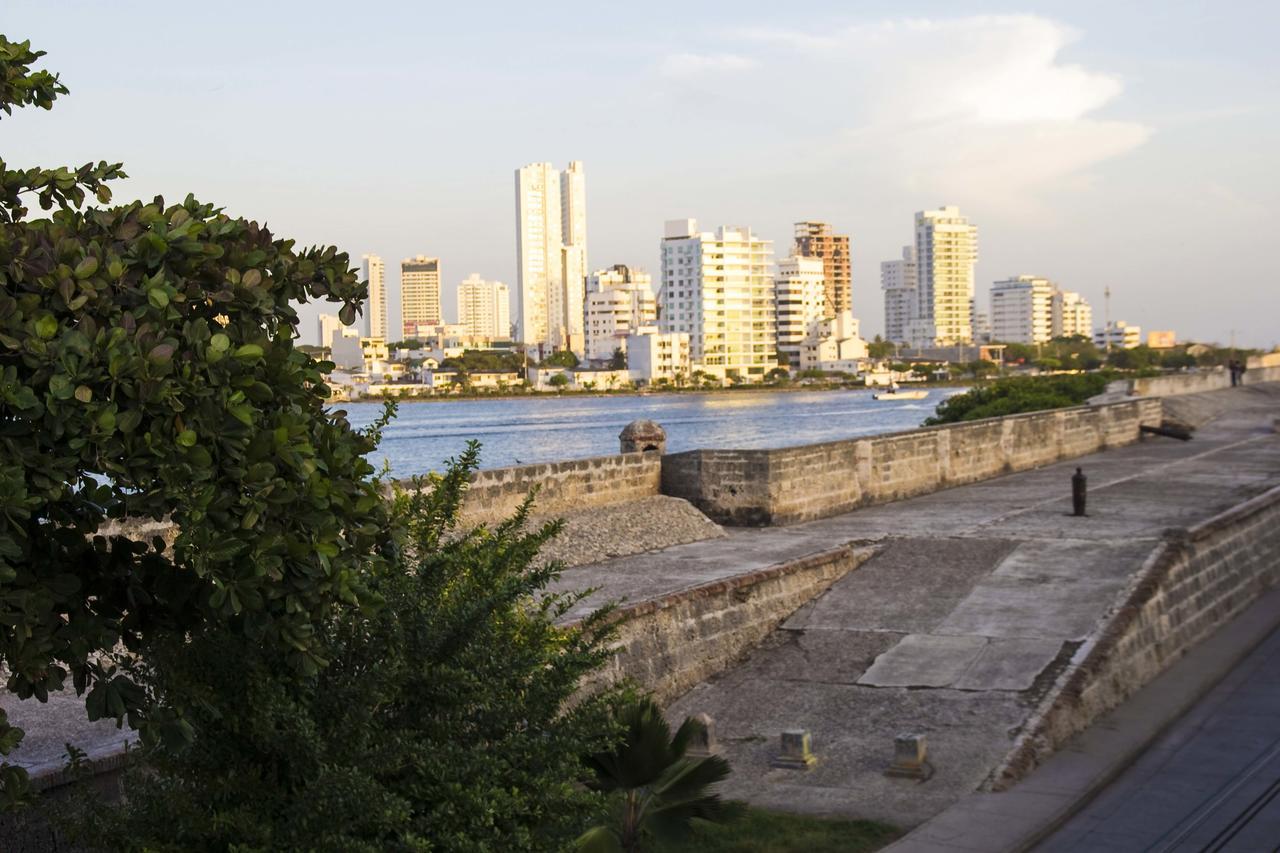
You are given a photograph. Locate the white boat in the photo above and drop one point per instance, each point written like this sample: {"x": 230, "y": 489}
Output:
{"x": 894, "y": 394}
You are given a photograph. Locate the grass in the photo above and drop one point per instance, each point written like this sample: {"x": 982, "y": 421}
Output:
{"x": 760, "y": 831}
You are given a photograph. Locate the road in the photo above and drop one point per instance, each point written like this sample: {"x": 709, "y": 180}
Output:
{"x": 1209, "y": 783}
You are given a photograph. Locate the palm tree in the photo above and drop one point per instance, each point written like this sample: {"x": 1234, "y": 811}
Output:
{"x": 660, "y": 790}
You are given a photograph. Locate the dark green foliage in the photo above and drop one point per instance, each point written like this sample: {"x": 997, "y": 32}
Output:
{"x": 485, "y": 360}
{"x": 1020, "y": 394}
{"x": 657, "y": 790}
{"x": 148, "y": 371}
{"x": 439, "y": 723}
{"x": 559, "y": 381}
{"x": 619, "y": 360}
{"x": 760, "y": 831}
{"x": 561, "y": 358}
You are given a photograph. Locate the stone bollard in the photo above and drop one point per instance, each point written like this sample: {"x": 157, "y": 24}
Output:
{"x": 642, "y": 437}
{"x": 796, "y": 753}
{"x": 1079, "y": 492}
{"x": 910, "y": 758}
{"x": 704, "y": 739}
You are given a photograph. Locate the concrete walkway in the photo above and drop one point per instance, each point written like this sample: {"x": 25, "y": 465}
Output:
{"x": 978, "y": 597}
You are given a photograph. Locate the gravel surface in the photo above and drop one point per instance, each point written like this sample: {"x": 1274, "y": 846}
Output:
{"x": 603, "y": 533}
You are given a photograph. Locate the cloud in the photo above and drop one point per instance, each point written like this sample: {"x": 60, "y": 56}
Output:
{"x": 689, "y": 64}
{"x": 957, "y": 107}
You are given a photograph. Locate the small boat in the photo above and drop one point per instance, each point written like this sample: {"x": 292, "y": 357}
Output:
{"x": 895, "y": 394}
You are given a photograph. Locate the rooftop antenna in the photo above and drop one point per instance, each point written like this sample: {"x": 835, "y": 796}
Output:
{"x": 1106, "y": 298}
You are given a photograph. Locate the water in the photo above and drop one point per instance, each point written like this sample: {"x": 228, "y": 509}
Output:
{"x": 521, "y": 430}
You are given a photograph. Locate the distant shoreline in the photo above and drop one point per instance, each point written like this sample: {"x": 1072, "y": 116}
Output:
{"x": 746, "y": 389}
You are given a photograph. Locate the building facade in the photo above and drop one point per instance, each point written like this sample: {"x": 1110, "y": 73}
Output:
{"x": 484, "y": 308}
{"x": 800, "y": 294}
{"x": 717, "y": 289}
{"x": 946, "y": 252}
{"x": 331, "y": 326}
{"x": 1118, "y": 334}
{"x": 653, "y": 357}
{"x": 898, "y": 281}
{"x": 375, "y": 320}
{"x": 1071, "y": 315}
{"x": 1022, "y": 310}
{"x": 419, "y": 294}
{"x": 818, "y": 240}
{"x": 620, "y": 300}
{"x": 551, "y": 256}
{"x": 834, "y": 344}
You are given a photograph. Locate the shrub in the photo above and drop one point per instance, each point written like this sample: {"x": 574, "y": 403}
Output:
{"x": 442, "y": 722}
{"x": 1020, "y": 394}
{"x": 148, "y": 371}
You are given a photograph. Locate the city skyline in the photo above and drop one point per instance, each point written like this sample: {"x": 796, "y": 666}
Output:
{"x": 1084, "y": 158}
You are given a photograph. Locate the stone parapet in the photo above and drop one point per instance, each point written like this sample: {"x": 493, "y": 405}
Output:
{"x": 792, "y": 484}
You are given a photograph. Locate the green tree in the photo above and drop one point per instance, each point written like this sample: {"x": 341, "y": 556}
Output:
{"x": 880, "y": 348}
{"x": 561, "y": 358}
{"x": 148, "y": 370}
{"x": 657, "y": 790}
{"x": 619, "y": 360}
{"x": 1020, "y": 394}
{"x": 559, "y": 381}
{"x": 442, "y": 722}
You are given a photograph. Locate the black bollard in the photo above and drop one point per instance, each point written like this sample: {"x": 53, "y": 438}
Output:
{"x": 1078, "y": 483}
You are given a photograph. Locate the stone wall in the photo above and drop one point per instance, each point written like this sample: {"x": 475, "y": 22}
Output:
{"x": 786, "y": 485}
{"x": 1192, "y": 584}
{"x": 562, "y": 486}
{"x": 1262, "y": 368}
{"x": 669, "y": 644}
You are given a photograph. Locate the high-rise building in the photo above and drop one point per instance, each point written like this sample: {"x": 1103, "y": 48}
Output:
{"x": 1021, "y": 310}
{"x": 717, "y": 289}
{"x": 484, "y": 308}
{"x": 375, "y": 319}
{"x": 946, "y": 251}
{"x": 1071, "y": 315}
{"x": 898, "y": 280}
{"x": 800, "y": 294}
{"x": 332, "y": 327}
{"x": 620, "y": 300}
{"x": 419, "y": 294}
{"x": 817, "y": 240}
{"x": 551, "y": 252}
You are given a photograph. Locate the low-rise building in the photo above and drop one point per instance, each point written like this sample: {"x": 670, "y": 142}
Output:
{"x": 654, "y": 356}
{"x": 619, "y": 301}
{"x": 1164, "y": 339}
{"x": 1118, "y": 334}
{"x": 834, "y": 344}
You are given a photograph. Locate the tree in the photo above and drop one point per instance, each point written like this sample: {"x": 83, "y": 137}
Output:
{"x": 559, "y": 381}
{"x": 148, "y": 370}
{"x": 880, "y": 348}
{"x": 619, "y": 360}
{"x": 442, "y": 722}
{"x": 779, "y": 375}
{"x": 561, "y": 358}
{"x": 658, "y": 791}
{"x": 1020, "y": 394}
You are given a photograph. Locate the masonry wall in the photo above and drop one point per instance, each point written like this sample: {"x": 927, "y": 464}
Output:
{"x": 668, "y": 645}
{"x": 1192, "y": 584}
{"x": 786, "y": 485}
{"x": 562, "y": 486}
{"x": 1262, "y": 368}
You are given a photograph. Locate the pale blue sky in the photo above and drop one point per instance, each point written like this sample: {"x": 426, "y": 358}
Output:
{"x": 1096, "y": 143}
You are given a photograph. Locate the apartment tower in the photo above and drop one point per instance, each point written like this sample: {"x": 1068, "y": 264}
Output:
{"x": 1070, "y": 315}
{"x": 419, "y": 294}
{"x": 1022, "y": 310}
{"x": 375, "y": 320}
{"x": 620, "y": 302}
{"x": 946, "y": 251}
{"x": 800, "y": 294}
{"x": 817, "y": 240}
{"x": 551, "y": 253}
{"x": 484, "y": 308}
{"x": 717, "y": 288}
{"x": 898, "y": 281}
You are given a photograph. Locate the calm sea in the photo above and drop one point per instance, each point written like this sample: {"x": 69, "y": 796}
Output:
{"x": 517, "y": 430}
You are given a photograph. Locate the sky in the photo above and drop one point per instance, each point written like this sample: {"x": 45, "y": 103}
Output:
{"x": 1129, "y": 145}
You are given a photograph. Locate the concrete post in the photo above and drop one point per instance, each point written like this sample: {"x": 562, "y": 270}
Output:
{"x": 796, "y": 753}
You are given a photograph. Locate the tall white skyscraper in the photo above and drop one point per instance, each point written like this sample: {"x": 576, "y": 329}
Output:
{"x": 551, "y": 253}
{"x": 1021, "y": 310}
{"x": 484, "y": 308}
{"x": 946, "y": 251}
{"x": 800, "y": 294}
{"x": 717, "y": 288}
{"x": 898, "y": 279}
{"x": 419, "y": 294}
{"x": 620, "y": 301}
{"x": 375, "y": 319}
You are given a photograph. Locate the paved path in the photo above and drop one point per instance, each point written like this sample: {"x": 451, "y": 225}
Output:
{"x": 1211, "y": 782}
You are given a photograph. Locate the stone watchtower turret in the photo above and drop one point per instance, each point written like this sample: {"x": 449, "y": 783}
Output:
{"x": 642, "y": 437}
